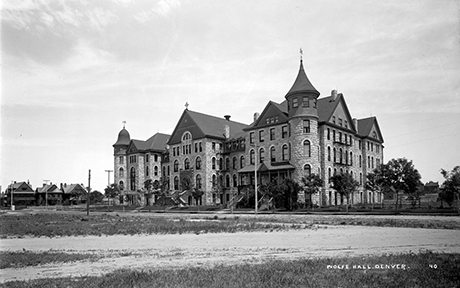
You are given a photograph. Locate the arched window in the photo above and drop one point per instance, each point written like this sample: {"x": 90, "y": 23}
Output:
{"x": 176, "y": 166}
{"x": 285, "y": 151}
{"x": 164, "y": 171}
{"x": 220, "y": 163}
{"x": 198, "y": 181}
{"x": 121, "y": 184}
{"x": 186, "y": 164}
{"x": 251, "y": 157}
{"x": 329, "y": 174}
{"x": 198, "y": 163}
{"x": 351, "y": 158}
{"x": 227, "y": 164}
{"x": 121, "y": 159}
{"x": 121, "y": 172}
{"x": 155, "y": 171}
{"x": 213, "y": 162}
{"x": 307, "y": 148}
{"x": 242, "y": 161}
{"x": 261, "y": 155}
{"x": 272, "y": 154}
{"x": 227, "y": 181}
{"x": 234, "y": 163}
{"x": 132, "y": 178}
{"x": 360, "y": 178}
{"x": 147, "y": 171}
{"x": 360, "y": 161}
{"x": 176, "y": 183}
{"x": 335, "y": 155}
{"x": 328, "y": 153}
{"x": 340, "y": 155}
{"x": 214, "y": 181}
{"x": 186, "y": 136}
{"x": 235, "y": 181}
{"x": 307, "y": 170}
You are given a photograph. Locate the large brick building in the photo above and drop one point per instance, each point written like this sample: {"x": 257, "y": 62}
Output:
{"x": 301, "y": 135}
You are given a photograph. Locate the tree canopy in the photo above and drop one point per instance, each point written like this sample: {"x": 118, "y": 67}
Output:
{"x": 112, "y": 191}
{"x": 311, "y": 185}
{"x": 344, "y": 184}
{"x": 451, "y": 186}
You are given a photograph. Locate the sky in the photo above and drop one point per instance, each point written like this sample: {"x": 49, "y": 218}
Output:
{"x": 72, "y": 71}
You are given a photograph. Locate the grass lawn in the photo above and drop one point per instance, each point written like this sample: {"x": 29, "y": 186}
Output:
{"x": 16, "y": 259}
{"x": 400, "y": 270}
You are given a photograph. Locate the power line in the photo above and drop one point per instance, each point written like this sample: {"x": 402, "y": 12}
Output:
{"x": 422, "y": 130}
{"x": 427, "y": 139}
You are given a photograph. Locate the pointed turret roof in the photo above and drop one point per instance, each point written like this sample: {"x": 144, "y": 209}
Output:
{"x": 302, "y": 84}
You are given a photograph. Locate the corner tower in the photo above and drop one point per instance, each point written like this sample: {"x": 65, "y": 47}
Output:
{"x": 303, "y": 126}
{"x": 120, "y": 149}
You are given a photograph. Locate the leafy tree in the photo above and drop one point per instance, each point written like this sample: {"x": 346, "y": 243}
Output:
{"x": 451, "y": 186}
{"x": 288, "y": 192}
{"x": 344, "y": 184}
{"x": 196, "y": 194}
{"x": 311, "y": 185}
{"x": 399, "y": 175}
{"x": 373, "y": 182}
{"x": 112, "y": 191}
{"x": 95, "y": 196}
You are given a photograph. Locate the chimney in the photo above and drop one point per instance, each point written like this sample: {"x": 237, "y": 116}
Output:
{"x": 227, "y": 131}
{"x": 227, "y": 117}
{"x": 334, "y": 94}
{"x": 62, "y": 187}
{"x": 256, "y": 115}
{"x": 355, "y": 122}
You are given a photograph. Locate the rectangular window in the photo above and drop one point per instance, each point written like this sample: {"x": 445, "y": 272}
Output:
{"x": 314, "y": 103}
{"x": 261, "y": 136}
{"x": 306, "y": 126}
{"x": 272, "y": 134}
{"x": 213, "y": 144}
{"x": 295, "y": 102}
{"x": 201, "y": 147}
{"x": 122, "y": 159}
{"x": 340, "y": 122}
{"x": 333, "y": 119}
{"x": 346, "y": 124}
{"x": 284, "y": 132}
{"x": 147, "y": 157}
{"x": 196, "y": 147}
{"x": 156, "y": 157}
{"x": 305, "y": 102}
{"x": 328, "y": 134}
{"x": 251, "y": 137}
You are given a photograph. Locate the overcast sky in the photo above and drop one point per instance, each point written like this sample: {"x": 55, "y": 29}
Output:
{"x": 72, "y": 71}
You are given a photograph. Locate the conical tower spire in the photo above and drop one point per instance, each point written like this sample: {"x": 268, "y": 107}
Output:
{"x": 302, "y": 84}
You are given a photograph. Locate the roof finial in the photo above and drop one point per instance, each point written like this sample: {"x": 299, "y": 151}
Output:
{"x": 124, "y": 122}
{"x": 186, "y": 105}
{"x": 301, "y": 53}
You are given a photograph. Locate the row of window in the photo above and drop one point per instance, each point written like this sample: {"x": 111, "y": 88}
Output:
{"x": 133, "y": 158}
{"x": 340, "y": 122}
{"x": 121, "y": 171}
{"x": 284, "y": 133}
{"x": 329, "y": 172}
{"x": 342, "y": 138}
{"x": 305, "y": 102}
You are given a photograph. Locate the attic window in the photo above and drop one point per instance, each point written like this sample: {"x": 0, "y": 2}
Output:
{"x": 295, "y": 103}
{"x": 333, "y": 119}
{"x": 305, "y": 102}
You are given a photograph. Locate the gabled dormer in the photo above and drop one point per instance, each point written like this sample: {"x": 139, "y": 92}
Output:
{"x": 333, "y": 111}
{"x": 273, "y": 114}
{"x": 369, "y": 128}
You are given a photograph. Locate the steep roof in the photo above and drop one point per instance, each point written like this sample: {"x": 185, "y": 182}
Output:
{"x": 302, "y": 83}
{"x": 326, "y": 107}
{"x": 214, "y": 126}
{"x": 123, "y": 137}
{"x": 155, "y": 143}
{"x": 365, "y": 126}
{"x": 49, "y": 188}
{"x": 71, "y": 187}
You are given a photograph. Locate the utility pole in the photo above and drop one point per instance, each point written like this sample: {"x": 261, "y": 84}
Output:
{"x": 11, "y": 191}
{"x": 108, "y": 186}
{"x": 87, "y": 193}
{"x": 46, "y": 193}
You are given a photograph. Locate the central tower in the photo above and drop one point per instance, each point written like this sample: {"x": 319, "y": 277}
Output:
{"x": 303, "y": 126}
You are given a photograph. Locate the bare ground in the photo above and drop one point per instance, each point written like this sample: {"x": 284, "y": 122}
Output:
{"x": 176, "y": 251}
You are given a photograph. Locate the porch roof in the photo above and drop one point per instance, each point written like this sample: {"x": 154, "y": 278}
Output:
{"x": 266, "y": 166}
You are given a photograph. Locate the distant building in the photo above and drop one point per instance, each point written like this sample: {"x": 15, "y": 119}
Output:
{"x": 22, "y": 192}
{"x": 49, "y": 194}
{"x": 302, "y": 134}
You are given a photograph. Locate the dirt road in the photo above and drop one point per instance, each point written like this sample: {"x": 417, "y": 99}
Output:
{"x": 166, "y": 251}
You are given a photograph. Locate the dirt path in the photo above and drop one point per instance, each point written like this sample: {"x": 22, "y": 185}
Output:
{"x": 166, "y": 251}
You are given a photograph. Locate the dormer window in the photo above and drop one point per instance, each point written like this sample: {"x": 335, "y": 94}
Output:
{"x": 295, "y": 103}
{"x": 305, "y": 102}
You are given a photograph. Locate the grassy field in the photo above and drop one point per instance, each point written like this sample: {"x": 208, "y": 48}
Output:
{"x": 401, "y": 270}
{"x": 20, "y": 259}
{"x": 59, "y": 224}
{"x": 76, "y": 224}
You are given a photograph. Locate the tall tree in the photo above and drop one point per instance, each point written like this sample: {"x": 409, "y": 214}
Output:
{"x": 344, "y": 184}
{"x": 311, "y": 185}
{"x": 289, "y": 191}
{"x": 399, "y": 175}
{"x": 373, "y": 182}
{"x": 451, "y": 186}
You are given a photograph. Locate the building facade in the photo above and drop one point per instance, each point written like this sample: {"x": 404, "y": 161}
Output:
{"x": 301, "y": 135}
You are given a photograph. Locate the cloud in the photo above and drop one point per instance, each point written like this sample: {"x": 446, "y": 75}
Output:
{"x": 161, "y": 8}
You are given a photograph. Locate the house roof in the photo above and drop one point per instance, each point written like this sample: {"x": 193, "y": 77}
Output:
{"x": 214, "y": 126}
{"x": 71, "y": 187}
{"x": 25, "y": 187}
{"x": 155, "y": 143}
{"x": 302, "y": 83}
{"x": 365, "y": 126}
{"x": 49, "y": 188}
